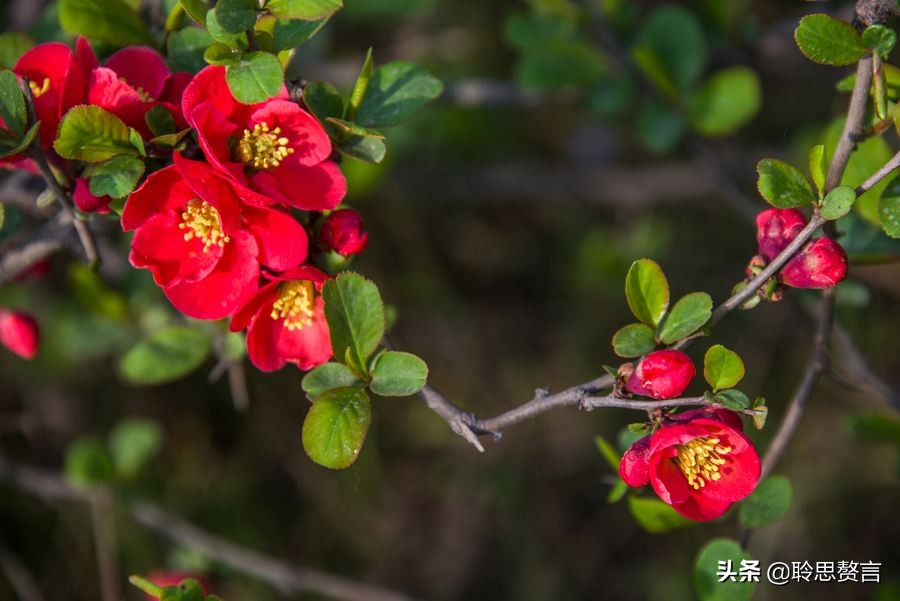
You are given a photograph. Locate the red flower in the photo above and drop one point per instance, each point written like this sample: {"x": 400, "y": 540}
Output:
{"x": 776, "y": 228}
{"x": 342, "y": 231}
{"x": 202, "y": 244}
{"x": 134, "y": 80}
{"x": 87, "y": 202}
{"x": 286, "y": 321}
{"x": 19, "y": 333}
{"x": 274, "y": 147}
{"x": 699, "y": 463}
{"x": 661, "y": 375}
{"x": 821, "y": 264}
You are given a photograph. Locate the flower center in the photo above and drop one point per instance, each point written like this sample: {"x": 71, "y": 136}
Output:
{"x": 201, "y": 220}
{"x": 39, "y": 90}
{"x": 699, "y": 460}
{"x": 262, "y": 148}
{"x": 295, "y": 304}
{"x": 140, "y": 91}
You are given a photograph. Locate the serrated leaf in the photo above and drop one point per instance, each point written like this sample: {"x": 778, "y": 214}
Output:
{"x": 12, "y": 103}
{"x": 818, "y": 167}
{"x": 768, "y": 503}
{"x": 829, "y": 41}
{"x": 647, "y": 291}
{"x": 655, "y": 516}
{"x": 235, "y": 16}
{"x": 706, "y": 572}
{"x": 291, "y": 33}
{"x": 633, "y": 340}
{"x": 355, "y": 315}
{"x": 889, "y": 208}
{"x": 671, "y": 49}
{"x": 370, "y": 150}
{"x": 326, "y": 377}
{"x": 255, "y": 78}
{"x": 783, "y": 185}
{"x": 395, "y": 92}
{"x": 688, "y": 315}
{"x": 398, "y": 374}
{"x": 879, "y": 38}
{"x": 725, "y": 101}
{"x": 87, "y": 463}
{"x": 111, "y": 21}
{"x": 838, "y": 202}
{"x": 89, "y": 133}
{"x": 722, "y": 368}
{"x": 116, "y": 177}
{"x": 335, "y": 427}
{"x": 165, "y": 356}
{"x": 308, "y": 10}
{"x": 134, "y": 442}
{"x": 732, "y": 398}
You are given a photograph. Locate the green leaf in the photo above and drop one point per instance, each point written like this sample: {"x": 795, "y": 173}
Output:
{"x": 308, "y": 10}
{"x": 617, "y": 492}
{"x": 879, "y": 38}
{"x": 647, "y": 291}
{"x": 398, "y": 374}
{"x": 395, "y": 92}
{"x": 326, "y": 377}
{"x": 167, "y": 355}
{"x": 11, "y": 146}
{"x": 222, "y": 55}
{"x": 768, "y": 503}
{"x": 13, "y": 44}
{"x": 145, "y": 585}
{"x": 355, "y": 315}
{"x": 186, "y": 48}
{"x": 659, "y": 127}
{"x": 116, "y": 177}
{"x": 633, "y": 340}
{"x": 688, "y": 315}
{"x": 12, "y": 103}
{"x": 706, "y": 572}
{"x": 559, "y": 63}
{"x": 359, "y": 88}
{"x": 290, "y": 34}
{"x": 818, "y": 167}
{"x": 783, "y": 185}
{"x": 608, "y": 451}
{"x": 255, "y": 78}
{"x": 349, "y": 128}
{"x": 218, "y": 33}
{"x": 725, "y": 101}
{"x": 134, "y": 442}
{"x": 196, "y": 9}
{"x": 236, "y": 16}
{"x": 671, "y": 50}
{"x": 160, "y": 121}
{"x": 335, "y": 427}
{"x": 323, "y": 99}
{"x": 111, "y": 21}
{"x": 655, "y": 516}
{"x": 838, "y": 202}
{"x": 87, "y": 463}
{"x": 867, "y": 158}
{"x": 877, "y": 427}
{"x": 722, "y": 368}
{"x": 368, "y": 149}
{"x": 889, "y": 208}
{"x": 829, "y": 41}
{"x": 732, "y": 398}
{"x": 89, "y": 133}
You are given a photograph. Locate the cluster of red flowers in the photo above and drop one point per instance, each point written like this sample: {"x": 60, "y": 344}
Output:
{"x": 217, "y": 232}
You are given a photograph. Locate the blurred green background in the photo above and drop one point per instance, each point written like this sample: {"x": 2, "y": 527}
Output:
{"x": 501, "y": 227}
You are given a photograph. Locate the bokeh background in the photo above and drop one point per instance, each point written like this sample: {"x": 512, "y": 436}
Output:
{"x": 501, "y": 227}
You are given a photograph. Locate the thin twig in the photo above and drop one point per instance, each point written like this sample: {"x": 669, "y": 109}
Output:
{"x": 105, "y": 546}
{"x": 854, "y": 126}
{"x": 44, "y": 242}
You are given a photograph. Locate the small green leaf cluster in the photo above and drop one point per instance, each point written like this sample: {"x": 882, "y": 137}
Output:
{"x": 337, "y": 423}
{"x": 19, "y": 132}
{"x": 130, "y": 446}
{"x": 785, "y": 187}
{"x": 186, "y": 590}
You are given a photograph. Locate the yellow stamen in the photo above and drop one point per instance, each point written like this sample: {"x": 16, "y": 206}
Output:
{"x": 39, "y": 90}
{"x": 295, "y": 304}
{"x": 201, "y": 220}
{"x": 699, "y": 461}
{"x": 140, "y": 91}
{"x": 262, "y": 148}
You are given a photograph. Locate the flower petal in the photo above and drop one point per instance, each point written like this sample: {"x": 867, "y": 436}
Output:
{"x": 317, "y": 188}
{"x": 141, "y": 67}
{"x": 305, "y": 135}
{"x": 281, "y": 239}
{"x": 164, "y": 189}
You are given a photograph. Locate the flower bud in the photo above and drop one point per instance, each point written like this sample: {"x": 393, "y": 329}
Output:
{"x": 19, "y": 333}
{"x": 87, "y": 202}
{"x": 662, "y": 375}
{"x": 821, "y": 264}
{"x": 775, "y": 228}
{"x": 342, "y": 231}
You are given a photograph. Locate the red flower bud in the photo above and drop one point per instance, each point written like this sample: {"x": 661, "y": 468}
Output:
{"x": 821, "y": 264}
{"x": 342, "y": 231}
{"x": 662, "y": 375}
{"x": 165, "y": 578}
{"x": 775, "y": 228}
{"x": 698, "y": 462}
{"x": 87, "y": 202}
{"x": 19, "y": 333}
